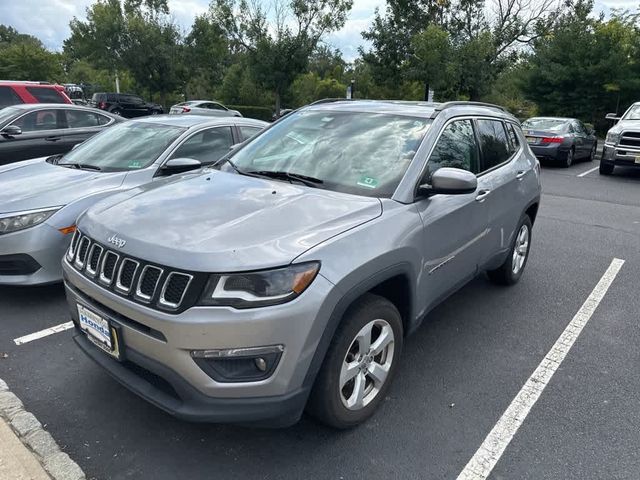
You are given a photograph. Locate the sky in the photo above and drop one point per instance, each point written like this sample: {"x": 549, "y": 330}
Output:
{"x": 48, "y": 20}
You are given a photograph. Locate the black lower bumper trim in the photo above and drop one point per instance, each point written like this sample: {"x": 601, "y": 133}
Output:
{"x": 18, "y": 264}
{"x": 185, "y": 402}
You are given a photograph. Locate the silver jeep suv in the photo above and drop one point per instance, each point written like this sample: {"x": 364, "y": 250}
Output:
{"x": 288, "y": 275}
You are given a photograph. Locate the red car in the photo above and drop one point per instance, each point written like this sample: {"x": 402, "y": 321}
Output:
{"x": 13, "y": 93}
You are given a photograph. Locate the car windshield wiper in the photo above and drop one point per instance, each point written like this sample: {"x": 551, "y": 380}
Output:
{"x": 81, "y": 166}
{"x": 305, "y": 179}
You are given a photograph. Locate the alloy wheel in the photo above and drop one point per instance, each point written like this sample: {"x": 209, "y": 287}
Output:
{"x": 569, "y": 161}
{"x": 520, "y": 250}
{"x": 366, "y": 365}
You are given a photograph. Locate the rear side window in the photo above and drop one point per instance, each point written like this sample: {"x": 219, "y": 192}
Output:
{"x": 456, "y": 148}
{"x": 248, "y": 132}
{"x": 46, "y": 95}
{"x": 513, "y": 137}
{"x": 8, "y": 97}
{"x": 493, "y": 142}
{"x": 84, "y": 119}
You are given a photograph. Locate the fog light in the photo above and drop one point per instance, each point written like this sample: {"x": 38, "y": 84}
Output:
{"x": 261, "y": 363}
{"x": 239, "y": 364}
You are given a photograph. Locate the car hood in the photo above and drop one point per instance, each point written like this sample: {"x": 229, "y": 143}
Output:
{"x": 37, "y": 184}
{"x": 219, "y": 222}
{"x": 629, "y": 125}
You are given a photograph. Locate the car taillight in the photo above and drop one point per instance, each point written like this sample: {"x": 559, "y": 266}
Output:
{"x": 552, "y": 140}
{"x": 102, "y": 105}
{"x": 185, "y": 109}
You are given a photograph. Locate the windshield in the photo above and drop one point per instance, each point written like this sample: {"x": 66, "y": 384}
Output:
{"x": 127, "y": 146}
{"x": 633, "y": 113}
{"x": 7, "y": 113}
{"x": 353, "y": 152}
{"x": 552, "y": 124}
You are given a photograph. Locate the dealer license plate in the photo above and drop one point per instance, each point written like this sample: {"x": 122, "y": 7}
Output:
{"x": 99, "y": 331}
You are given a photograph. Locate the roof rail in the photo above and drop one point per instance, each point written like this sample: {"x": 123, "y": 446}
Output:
{"x": 329, "y": 100}
{"x": 458, "y": 103}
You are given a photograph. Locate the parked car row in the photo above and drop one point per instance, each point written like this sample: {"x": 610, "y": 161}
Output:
{"x": 251, "y": 283}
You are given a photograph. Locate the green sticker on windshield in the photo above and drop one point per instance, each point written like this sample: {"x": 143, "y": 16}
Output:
{"x": 135, "y": 164}
{"x": 368, "y": 182}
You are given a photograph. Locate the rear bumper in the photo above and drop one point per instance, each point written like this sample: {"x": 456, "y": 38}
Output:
{"x": 552, "y": 151}
{"x": 623, "y": 156}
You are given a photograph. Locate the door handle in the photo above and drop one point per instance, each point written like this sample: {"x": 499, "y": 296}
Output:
{"x": 482, "y": 195}
{"x": 521, "y": 174}
{"x": 52, "y": 139}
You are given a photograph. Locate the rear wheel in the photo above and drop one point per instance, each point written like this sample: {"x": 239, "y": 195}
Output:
{"x": 360, "y": 363}
{"x": 569, "y": 159}
{"x": 606, "y": 168}
{"x": 117, "y": 111}
{"x": 511, "y": 270}
{"x": 592, "y": 155}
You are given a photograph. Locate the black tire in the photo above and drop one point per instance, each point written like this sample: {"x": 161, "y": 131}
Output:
{"x": 568, "y": 161}
{"x": 117, "y": 111}
{"x": 592, "y": 155}
{"x": 606, "y": 168}
{"x": 325, "y": 402}
{"x": 504, "y": 274}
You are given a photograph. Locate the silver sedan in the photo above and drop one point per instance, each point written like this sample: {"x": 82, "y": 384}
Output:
{"x": 41, "y": 198}
{"x": 203, "y": 107}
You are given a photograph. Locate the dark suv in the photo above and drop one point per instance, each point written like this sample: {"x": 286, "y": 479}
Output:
{"x": 16, "y": 93}
{"x": 125, "y": 104}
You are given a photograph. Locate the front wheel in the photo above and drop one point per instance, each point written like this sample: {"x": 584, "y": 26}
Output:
{"x": 511, "y": 270}
{"x": 606, "y": 168}
{"x": 360, "y": 364}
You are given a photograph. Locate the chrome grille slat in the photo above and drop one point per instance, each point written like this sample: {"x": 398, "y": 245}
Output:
{"x": 167, "y": 283}
{"x": 83, "y": 251}
{"x": 147, "y": 271}
{"x": 107, "y": 280}
{"x": 95, "y": 250}
{"x": 122, "y": 287}
{"x": 71, "y": 252}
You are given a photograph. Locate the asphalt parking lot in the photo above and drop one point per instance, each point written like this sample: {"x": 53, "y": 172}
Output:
{"x": 458, "y": 374}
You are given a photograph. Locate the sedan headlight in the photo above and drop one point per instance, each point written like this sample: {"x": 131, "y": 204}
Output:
{"x": 259, "y": 289}
{"x": 612, "y": 137}
{"x": 12, "y": 222}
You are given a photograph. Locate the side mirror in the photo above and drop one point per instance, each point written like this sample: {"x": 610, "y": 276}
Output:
{"x": 11, "y": 131}
{"x": 179, "y": 165}
{"x": 612, "y": 116}
{"x": 450, "y": 181}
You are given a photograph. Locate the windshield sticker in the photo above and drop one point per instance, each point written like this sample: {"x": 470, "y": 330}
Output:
{"x": 368, "y": 182}
{"x": 135, "y": 164}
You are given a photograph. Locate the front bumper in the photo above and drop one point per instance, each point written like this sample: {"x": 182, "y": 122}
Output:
{"x": 623, "y": 156}
{"x": 44, "y": 245}
{"x": 158, "y": 345}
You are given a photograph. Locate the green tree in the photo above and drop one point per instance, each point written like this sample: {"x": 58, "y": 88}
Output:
{"x": 24, "y": 57}
{"x": 276, "y": 53}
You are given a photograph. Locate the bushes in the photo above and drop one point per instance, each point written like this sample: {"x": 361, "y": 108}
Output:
{"x": 260, "y": 113}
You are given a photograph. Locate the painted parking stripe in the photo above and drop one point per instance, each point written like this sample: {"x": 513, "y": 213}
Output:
{"x": 494, "y": 445}
{"x": 588, "y": 172}
{"x": 43, "y": 333}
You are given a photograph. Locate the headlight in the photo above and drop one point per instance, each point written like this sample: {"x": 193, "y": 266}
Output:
{"x": 12, "y": 222}
{"x": 259, "y": 289}
{"x": 612, "y": 137}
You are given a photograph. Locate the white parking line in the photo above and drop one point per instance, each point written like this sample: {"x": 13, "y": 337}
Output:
{"x": 494, "y": 445}
{"x": 583, "y": 174}
{"x": 43, "y": 333}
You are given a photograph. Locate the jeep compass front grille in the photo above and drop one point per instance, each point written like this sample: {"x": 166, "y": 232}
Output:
{"x": 153, "y": 285}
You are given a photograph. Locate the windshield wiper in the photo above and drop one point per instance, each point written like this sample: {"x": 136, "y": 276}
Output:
{"x": 81, "y": 166}
{"x": 305, "y": 179}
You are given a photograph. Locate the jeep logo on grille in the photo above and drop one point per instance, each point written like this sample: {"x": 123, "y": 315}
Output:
{"x": 115, "y": 240}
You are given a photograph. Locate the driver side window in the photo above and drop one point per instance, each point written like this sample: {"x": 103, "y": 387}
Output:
{"x": 206, "y": 146}
{"x": 456, "y": 148}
